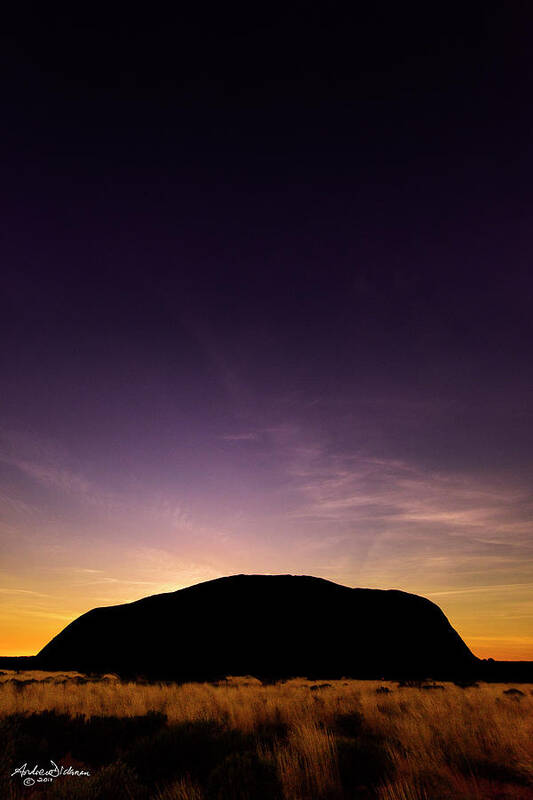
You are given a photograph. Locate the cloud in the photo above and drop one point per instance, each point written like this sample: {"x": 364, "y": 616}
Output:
{"x": 391, "y": 522}
{"x": 85, "y": 570}
{"x": 395, "y": 493}
{"x": 107, "y": 579}
{"x": 10, "y": 500}
{"x": 45, "y": 462}
{"x": 55, "y": 477}
{"x": 240, "y": 437}
{"x": 496, "y": 587}
{"x": 33, "y": 612}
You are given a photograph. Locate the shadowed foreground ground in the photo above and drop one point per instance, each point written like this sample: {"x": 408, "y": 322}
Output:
{"x": 242, "y": 740}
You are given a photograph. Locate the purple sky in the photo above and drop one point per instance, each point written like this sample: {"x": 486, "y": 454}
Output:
{"x": 267, "y": 314}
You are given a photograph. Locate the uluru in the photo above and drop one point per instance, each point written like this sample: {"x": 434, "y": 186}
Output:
{"x": 269, "y": 626}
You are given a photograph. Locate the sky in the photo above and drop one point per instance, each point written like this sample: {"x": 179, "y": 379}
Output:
{"x": 266, "y": 308}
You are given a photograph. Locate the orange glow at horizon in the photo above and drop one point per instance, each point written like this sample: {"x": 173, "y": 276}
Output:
{"x": 24, "y": 629}
{"x": 459, "y": 540}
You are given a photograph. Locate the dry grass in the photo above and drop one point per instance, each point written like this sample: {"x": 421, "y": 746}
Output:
{"x": 342, "y": 740}
{"x": 183, "y": 789}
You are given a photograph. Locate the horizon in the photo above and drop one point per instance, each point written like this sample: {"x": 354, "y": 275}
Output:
{"x": 266, "y": 307}
{"x": 239, "y": 575}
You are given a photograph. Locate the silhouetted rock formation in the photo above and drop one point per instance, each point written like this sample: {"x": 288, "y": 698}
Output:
{"x": 271, "y": 626}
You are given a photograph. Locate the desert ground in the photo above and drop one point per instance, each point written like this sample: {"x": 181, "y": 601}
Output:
{"x": 239, "y": 739}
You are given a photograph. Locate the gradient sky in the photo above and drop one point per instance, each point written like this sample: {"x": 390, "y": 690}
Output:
{"x": 267, "y": 307}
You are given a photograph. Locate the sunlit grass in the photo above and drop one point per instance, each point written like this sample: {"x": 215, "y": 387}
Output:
{"x": 345, "y": 739}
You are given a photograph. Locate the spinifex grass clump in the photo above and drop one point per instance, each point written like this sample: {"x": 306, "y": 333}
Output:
{"x": 242, "y": 740}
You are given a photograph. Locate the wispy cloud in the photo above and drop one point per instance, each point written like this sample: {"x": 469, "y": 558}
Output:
{"x": 13, "y": 505}
{"x": 395, "y": 493}
{"x": 108, "y": 579}
{"x": 496, "y": 587}
{"x": 56, "y": 477}
{"x": 390, "y": 522}
{"x": 85, "y": 570}
{"x": 45, "y": 462}
{"x": 34, "y": 612}
{"x": 240, "y": 437}
{"x": 50, "y": 466}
